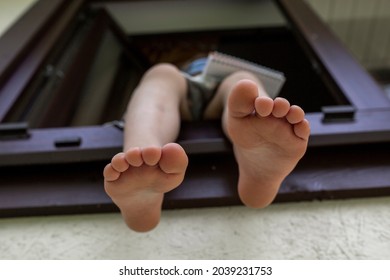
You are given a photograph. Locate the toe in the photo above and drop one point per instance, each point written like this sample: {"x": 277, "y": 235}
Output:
{"x": 264, "y": 106}
{"x": 302, "y": 129}
{"x": 281, "y": 107}
{"x": 295, "y": 115}
{"x": 110, "y": 174}
{"x": 119, "y": 162}
{"x": 151, "y": 155}
{"x": 173, "y": 159}
{"x": 242, "y": 98}
{"x": 134, "y": 157}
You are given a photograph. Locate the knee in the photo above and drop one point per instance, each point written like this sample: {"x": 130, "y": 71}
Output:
{"x": 166, "y": 76}
{"x": 164, "y": 70}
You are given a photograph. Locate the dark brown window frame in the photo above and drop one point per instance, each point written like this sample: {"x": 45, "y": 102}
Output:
{"x": 338, "y": 132}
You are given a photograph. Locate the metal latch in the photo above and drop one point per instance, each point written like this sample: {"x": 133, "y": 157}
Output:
{"x": 14, "y": 131}
{"x": 67, "y": 142}
{"x": 342, "y": 113}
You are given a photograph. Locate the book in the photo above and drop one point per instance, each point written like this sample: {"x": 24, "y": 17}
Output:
{"x": 219, "y": 66}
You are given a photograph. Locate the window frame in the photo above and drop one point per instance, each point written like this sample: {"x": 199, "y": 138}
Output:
{"x": 27, "y": 44}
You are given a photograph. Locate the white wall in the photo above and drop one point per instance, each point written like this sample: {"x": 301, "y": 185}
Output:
{"x": 363, "y": 25}
{"x": 11, "y": 10}
{"x": 177, "y": 15}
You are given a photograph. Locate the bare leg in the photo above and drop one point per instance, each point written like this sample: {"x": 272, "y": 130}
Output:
{"x": 269, "y": 137}
{"x": 150, "y": 165}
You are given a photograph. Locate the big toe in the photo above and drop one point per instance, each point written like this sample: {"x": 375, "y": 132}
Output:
{"x": 242, "y": 98}
{"x": 173, "y": 159}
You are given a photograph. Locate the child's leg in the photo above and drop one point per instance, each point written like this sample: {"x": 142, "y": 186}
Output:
{"x": 150, "y": 165}
{"x": 269, "y": 137}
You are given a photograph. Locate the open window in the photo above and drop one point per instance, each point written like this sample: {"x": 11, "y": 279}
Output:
{"x": 69, "y": 68}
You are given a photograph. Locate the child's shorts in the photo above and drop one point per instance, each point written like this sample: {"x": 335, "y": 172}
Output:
{"x": 199, "y": 94}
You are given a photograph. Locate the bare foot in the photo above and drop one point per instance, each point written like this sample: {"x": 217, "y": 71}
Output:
{"x": 137, "y": 180}
{"x": 269, "y": 138}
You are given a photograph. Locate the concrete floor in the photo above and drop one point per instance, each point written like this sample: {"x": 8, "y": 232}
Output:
{"x": 342, "y": 229}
